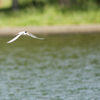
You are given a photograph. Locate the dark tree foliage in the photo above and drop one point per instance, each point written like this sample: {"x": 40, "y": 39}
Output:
{"x": 98, "y": 1}
{"x": 41, "y": 3}
{"x": 38, "y": 3}
{"x": 67, "y": 2}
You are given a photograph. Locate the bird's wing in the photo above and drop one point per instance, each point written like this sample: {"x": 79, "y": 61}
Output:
{"x": 31, "y": 35}
{"x": 14, "y": 38}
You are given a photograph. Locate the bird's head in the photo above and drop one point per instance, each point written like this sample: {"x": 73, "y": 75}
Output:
{"x": 26, "y": 33}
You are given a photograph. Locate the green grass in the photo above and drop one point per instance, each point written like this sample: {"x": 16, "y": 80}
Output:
{"x": 49, "y": 15}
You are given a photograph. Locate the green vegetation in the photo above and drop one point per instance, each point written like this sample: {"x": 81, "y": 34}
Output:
{"x": 50, "y": 15}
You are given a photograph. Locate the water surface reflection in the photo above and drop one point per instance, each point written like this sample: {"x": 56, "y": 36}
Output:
{"x": 58, "y": 68}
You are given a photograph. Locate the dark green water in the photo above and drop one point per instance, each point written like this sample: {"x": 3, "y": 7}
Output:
{"x": 57, "y": 68}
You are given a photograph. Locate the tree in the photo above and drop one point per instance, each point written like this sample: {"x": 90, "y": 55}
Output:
{"x": 67, "y": 2}
{"x": 15, "y": 4}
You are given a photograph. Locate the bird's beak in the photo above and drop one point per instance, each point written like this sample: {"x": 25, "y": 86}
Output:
{"x": 27, "y": 33}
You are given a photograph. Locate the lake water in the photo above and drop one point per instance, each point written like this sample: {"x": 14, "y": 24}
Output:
{"x": 63, "y": 67}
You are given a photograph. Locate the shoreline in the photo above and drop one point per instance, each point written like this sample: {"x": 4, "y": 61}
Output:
{"x": 53, "y": 30}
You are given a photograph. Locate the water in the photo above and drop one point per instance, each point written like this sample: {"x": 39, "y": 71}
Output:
{"x": 58, "y": 68}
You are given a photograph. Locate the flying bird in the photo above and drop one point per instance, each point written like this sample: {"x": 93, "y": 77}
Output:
{"x": 24, "y": 33}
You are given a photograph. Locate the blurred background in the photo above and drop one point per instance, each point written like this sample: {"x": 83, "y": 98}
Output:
{"x": 48, "y": 12}
{"x": 60, "y": 67}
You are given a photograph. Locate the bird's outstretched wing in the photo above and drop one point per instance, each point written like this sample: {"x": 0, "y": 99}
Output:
{"x": 14, "y": 38}
{"x": 31, "y": 35}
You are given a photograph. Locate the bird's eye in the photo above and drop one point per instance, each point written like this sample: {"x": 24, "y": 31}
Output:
{"x": 25, "y": 31}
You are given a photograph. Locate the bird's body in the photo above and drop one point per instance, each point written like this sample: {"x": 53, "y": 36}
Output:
{"x": 24, "y": 33}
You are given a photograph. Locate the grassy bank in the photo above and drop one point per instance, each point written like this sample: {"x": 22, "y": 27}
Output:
{"x": 49, "y": 15}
